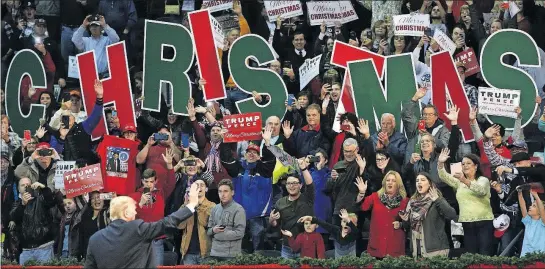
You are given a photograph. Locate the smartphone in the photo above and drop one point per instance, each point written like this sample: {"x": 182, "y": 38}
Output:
{"x": 56, "y": 91}
{"x": 353, "y": 35}
{"x": 291, "y": 99}
{"x": 114, "y": 113}
{"x": 106, "y": 196}
{"x": 160, "y": 137}
{"x": 314, "y": 159}
{"x": 146, "y": 190}
{"x": 190, "y": 162}
{"x": 29, "y": 190}
{"x": 328, "y": 80}
{"x": 38, "y": 40}
{"x": 185, "y": 140}
{"x": 222, "y": 226}
{"x": 369, "y": 34}
{"x": 455, "y": 168}
{"x": 345, "y": 127}
{"x": 421, "y": 125}
{"x": 66, "y": 121}
{"x": 27, "y": 134}
{"x": 427, "y": 32}
{"x": 287, "y": 64}
{"x": 45, "y": 152}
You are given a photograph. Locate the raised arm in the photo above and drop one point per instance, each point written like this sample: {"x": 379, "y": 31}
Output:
{"x": 540, "y": 207}
{"x": 443, "y": 175}
{"x": 522, "y": 204}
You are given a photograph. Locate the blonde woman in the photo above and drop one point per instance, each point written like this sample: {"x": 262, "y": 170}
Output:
{"x": 386, "y": 236}
{"x": 427, "y": 213}
{"x": 473, "y": 195}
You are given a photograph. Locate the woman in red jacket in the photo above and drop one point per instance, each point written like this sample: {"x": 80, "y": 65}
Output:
{"x": 386, "y": 237}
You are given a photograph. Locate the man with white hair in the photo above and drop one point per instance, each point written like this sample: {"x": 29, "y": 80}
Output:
{"x": 388, "y": 139}
{"x": 127, "y": 242}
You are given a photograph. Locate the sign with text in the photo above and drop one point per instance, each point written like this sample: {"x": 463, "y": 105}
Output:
{"x": 283, "y": 9}
{"x": 498, "y": 102}
{"x": 330, "y": 12}
{"x": 309, "y": 70}
{"x": 217, "y": 5}
{"x": 217, "y": 30}
{"x": 242, "y": 127}
{"x": 411, "y": 24}
{"x": 73, "y": 69}
{"x": 468, "y": 58}
{"x": 62, "y": 167}
{"x": 227, "y": 22}
{"x": 83, "y": 180}
{"x": 444, "y": 41}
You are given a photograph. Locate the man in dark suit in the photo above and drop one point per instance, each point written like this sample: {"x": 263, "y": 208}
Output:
{"x": 126, "y": 242}
{"x": 114, "y": 164}
{"x": 292, "y": 57}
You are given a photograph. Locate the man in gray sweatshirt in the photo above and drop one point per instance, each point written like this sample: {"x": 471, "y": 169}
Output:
{"x": 227, "y": 224}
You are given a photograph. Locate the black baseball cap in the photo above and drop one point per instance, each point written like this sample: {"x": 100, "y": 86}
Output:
{"x": 94, "y": 20}
{"x": 521, "y": 156}
{"x": 30, "y": 4}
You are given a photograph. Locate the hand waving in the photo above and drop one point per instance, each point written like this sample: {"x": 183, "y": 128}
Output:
{"x": 443, "y": 157}
{"x": 99, "y": 88}
{"x": 362, "y": 185}
{"x": 287, "y": 129}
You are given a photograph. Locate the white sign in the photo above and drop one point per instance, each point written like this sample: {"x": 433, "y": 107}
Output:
{"x": 62, "y": 167}
{"x": 411, "y": 24}
{"x": 347, "y": 11}
{"x": 498, "y": 102}
{"x": 444, "y": 41}
{"x": 284, "y": 9}
{"x": 188, "y": 5}
{"x": 73, "y": 68}
{"x": 330, "y": 12}
{"x": 217, "y": 5}
{"x": 217, "y": 30}
{"x": 309, "y": 70}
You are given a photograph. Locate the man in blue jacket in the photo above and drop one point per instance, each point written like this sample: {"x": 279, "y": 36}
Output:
{"x": 252, "y": 180}
{"x": 395, "y": 143}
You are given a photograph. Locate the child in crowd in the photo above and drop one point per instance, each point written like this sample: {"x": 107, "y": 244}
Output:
{"x": 309, "y": 243}
{"x": 533, "y": 219}
{"x": 345, "y": 236}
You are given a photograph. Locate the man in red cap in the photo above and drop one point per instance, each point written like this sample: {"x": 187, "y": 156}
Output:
{"x": 40, "y": 166}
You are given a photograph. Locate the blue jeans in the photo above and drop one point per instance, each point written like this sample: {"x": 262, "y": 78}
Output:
{"x": 159, "y": 251}
{"x": 234, "y": 95}
{"x": 192, "y": 259}
{"x": 67, "y": 47}
{"x": 287, "y": 253}
{"x": 43, "y": 254}
{"x": 257, "y": 232}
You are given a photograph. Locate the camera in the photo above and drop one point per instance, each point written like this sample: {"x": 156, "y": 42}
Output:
{"x": 353, "y": 35}
{"x": 190, "y": 162}
{"x": 160, "y": 137}
{"x": 29, "y": 190}
{"x": 314, "y": 159}
{"x": 45, "y": 152}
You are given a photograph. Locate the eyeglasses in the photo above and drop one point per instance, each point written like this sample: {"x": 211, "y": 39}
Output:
{"x": 400, "y": 38}
{"x": 292, "y": 183}
{"x": 348, "y": 151}
{"x": 379, "y": 160}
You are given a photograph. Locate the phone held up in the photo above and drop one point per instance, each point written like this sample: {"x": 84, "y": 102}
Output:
{"x": 422, "y": 125}
{"x": 66, "y": 121}
{"x": 160, "y": 137}
{"x": 28, "y": 135}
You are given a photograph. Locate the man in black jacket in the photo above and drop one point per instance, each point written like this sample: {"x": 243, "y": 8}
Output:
{"x": 34, "y": 221}
{"x": 127, "y": 242}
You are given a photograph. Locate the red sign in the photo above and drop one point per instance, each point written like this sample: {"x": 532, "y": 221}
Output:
{"x": 469, "y": 59}
{"x": 242, "y": 127}
{"x": 83, "y": 180}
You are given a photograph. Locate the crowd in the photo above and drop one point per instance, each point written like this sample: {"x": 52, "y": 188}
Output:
{"x": 304, "y": 190}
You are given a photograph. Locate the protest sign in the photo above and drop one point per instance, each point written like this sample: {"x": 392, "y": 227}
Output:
{"x": 217, "y": 5}
{"x": 217, "y": 30}
{"x": 73, "y": 69}
{"x": 62, "y": 167}
{"x": 242, "y": 127}
{"x": 498, "y": 102}
{"x": 444, "y": 41}
{"x": 309, "y": 70}
{"x": 83, "y": 180}
{"x": 468, "y": 58}
{"x": 283, "y": 9}
{"x": 227, "y": 22}
{"x": 411, "y": 24}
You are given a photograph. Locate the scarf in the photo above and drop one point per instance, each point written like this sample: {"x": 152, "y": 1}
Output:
{"x": 213, "y": 161}
{"x": 336, "y": 150}
{"x": 416, "y": 211}
{"x": 390, "y": 202}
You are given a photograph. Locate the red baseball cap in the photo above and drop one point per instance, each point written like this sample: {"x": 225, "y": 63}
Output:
{"x": 43, "y": 145}
{"x": 253, "y": 147}
{"x": 129, "y": 128}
